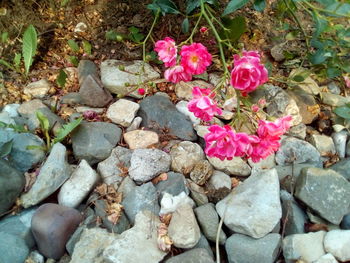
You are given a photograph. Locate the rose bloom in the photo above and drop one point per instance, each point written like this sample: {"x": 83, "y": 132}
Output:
{"x": 264, "y": 148}
{"x": 202, "y": 105}
{"x": 224, "y": 143}
{"x": 268, "y": 129}
{"x": 195, "y": 58}
{"x": 248, "y": 73}
{"x": 347, "y": 81}
{"x": 167, "y": 51}
{"x": 176, "y": 74}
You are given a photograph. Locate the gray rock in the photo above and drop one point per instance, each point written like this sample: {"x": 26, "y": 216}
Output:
{"x": 174, "y": 185}
{"x": 298, "y": 131}
{"x": 86, "y": 68}
{"x": 38, "y": 89}
{"x": 144, "y": 197}
{"x": 111, "y": 169}
{"x": 92, "y": 92}
{"x": 5, "y": 118}
{"x": 23, "y": 158}
{"x": 339, "y": 139}
{"x": 277, "y": 52}
{"x": 123, "y": 112}
{"x": 327, "y": 258}
{"x": 198, "y": 193}
{"x": 27, "y": 108}
{"x": 345, "y": 223}
{"x": 236, "y": 166}
{"x": 245, "y": 249}
{"x": 19, "y": 225}
{"x": 334, "y": 99}
{"x": 52, "y": 175}
{"x": 306, "y": 247}
{"x": 11, "y": 185}
{"x": 325, "y": 192}
{"x": 78, "y": 186}
{"x": 135, "y": 124}
{"x": 181, "y": 106}
{"x": 333, "y": 88}
{"x": 91, "y": 245}
{"x": 293, "y": 216}
{"x": 159, "y": 114}
{"x": 337, "y": 243}
{"x": 141, "y": 238}
{"x": 267, "y": 163}
{"x": 208, "y": 220}
{"x": 145, "y": 164}
{"x": 183, "y": 228}
{"x": 13, "y": 248}
{"x": 218, "y": 186}
{"x": 121, "y": 77}
{"x": 126, "y": 186}
{"x": 11, "y": 109}
{"x": 72, "y": 98}
{"x": 342, "y": 167}
{"x": 201, "y": 172}
{"x": 170, "y": 203}
{"x": 94, "y": 141}
{"x": 203, "y": 243}
{"x": 196, "y": 255}
{"x": 295, "y": 151}
{"x": 254, "y": 207}
{"x": 324, "y": 144}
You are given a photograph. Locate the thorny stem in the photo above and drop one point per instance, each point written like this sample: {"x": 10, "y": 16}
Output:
{"x": 148, "y": 35}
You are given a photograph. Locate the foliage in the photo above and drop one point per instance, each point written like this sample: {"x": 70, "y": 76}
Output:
{"x": 62, "y": 78}
{"x": 5, "y": 149}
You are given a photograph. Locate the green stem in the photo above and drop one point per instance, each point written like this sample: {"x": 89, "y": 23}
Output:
{"x": 193, "y": 31}
{"x": 324, "y": 10}
{"x": 148, "y": 36}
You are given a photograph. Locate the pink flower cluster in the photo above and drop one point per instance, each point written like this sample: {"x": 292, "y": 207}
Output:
{"x": 195, "y": 58}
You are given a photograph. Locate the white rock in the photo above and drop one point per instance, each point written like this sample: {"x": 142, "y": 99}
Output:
{"x": 337, "y": 242}
{"x": 123, "y": 112}
{"x": 181, "y": 106}
{"x": 339, "y": 139}
{"x": 328, "y": 258}
{"x": 219, "y": 180}
{"x": 254, "y": 207}
{"x": 170, "y": 203}
{"x": 305, "y": 247}
{"x": 78, "y": 186}
{"x": 11, "y": 109}
{"x": 140, "y": 139}
{"x": 80, "y": 27}
{"x": 236, "y": 166}
{"x": 37, "y": 89}
{"x": 135, "y": 124}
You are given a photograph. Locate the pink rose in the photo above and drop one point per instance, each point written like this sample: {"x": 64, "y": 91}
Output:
{"x": 347, "y": 81}
{"x": 268, "y": 129}
{"x": 195, "y": 58}
{"x": 202, "y": 105}
{"x": 264, "y": 148}
{"x": 176, "y": 74}
{"x": 248, "y": 73}
{"x": 167, "y": 51}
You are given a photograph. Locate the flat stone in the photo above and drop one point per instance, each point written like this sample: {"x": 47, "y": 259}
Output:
{"x": 141, "y": 237}
{"x": 120, "y": 77}
{"x": 254, "y": 201}
{"x": 208, "y": 220}
{"x": 181, "y": 106}
{"x": 52, "y": 225}
{"x": 327, "y": 258}
{"x": 158, "y": 113}
{"x": 306, "y": 247}
{"x": 139, "y": 139}
{"x": 126, "y": 186}
{"x": 13, "y": 248}
{"x": 11, "y": 185}
{"x": 94, "y": 141}
{"x": 334, "y": 99}
{"x": 92, "y": 92}
{"x": 245, "y": 249}
{"x": 170, "y": 203}
{"x": 82, "y": 109}
{"x": 123, "y": 112}
{"x": 78, "y": 186}
{"x": 38, "y": 89}
{"x": 185, "y": 155}
{"x": 196, "y": 255}
{"x": 324, "y": 191}
{"x": 337, "y": 243}
{"x": 183, "y": 89}
{"x": 183, "y": 228}
{"x": 52, "y": 175}
{"x": 218, "y": 186}
{"x": 145, "y": 164}
{"x": 201, "y": 172}
{"x": 236, "y": 166}
{"x": 324, "y": 144}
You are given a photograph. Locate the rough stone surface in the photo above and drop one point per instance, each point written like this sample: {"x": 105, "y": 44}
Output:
{"x": 236, "y": 166}
{"x": 208, "y": 220}
{"x": 342, "y": 167}
{"x": 35, "y": 257}
{"x": 306, "y": 247}
{"x": 140, "y": 139}
{"x": 183, "y": 228}
{"x": 92, "y": 92}
{"x": 159, "y": 114}
{"x": 337, "y": 242}
{"x": 135, "y": 124}
{"x": 339, "y": 139}
{"x": 327, "y": 258}
{"x": 94, "y": 141}
{"x": 72, "y": 98}
{"x": 170, "y": 203}
{"x": 122, "y": 112}
{"x": 345, "y": 223}
{"x": 324, "y": 191}
{"x": 78, "y": 186}
{"x": 37, "y": 89}
{"x": 55, "y": 122}
{"x": 196, "y": 255}
{"x": 52, "y": 225}
{"x": 86, "y": 68}
{"x": 201, "y": 172}
{"x": 13, "y": 248}
{"x": 254, "y": 207}
{"x": 52, "y": 175}
{"x": 323, "y": 144}
{"x": 145, "y": 164}
{"x": 218, "y": 186}
{"x": 140, "y": 238}
{"x": 120, "y": 77}
{"x": 298, "y": 131}
{"x": 27, "y": 108}
{"x": 11, "y": 109}
{"x": 244, "y": 249}
{"x": 6, "y": 118}
{"x": 203, "y": 243}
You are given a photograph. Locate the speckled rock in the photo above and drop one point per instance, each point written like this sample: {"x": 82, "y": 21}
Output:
{"x": 201, "y": 172}
{"x": 38, "y": 89}
{"x": 92, "y": 92}
{"x": 170, "y": 203}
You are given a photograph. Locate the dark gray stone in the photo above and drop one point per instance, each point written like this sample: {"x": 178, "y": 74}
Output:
{"x": 159, "y": 113}
{"x": 86, "y": 68}
{"x": 342, "y": 167}
{"x": 345, "y": 223}
{"x": 174, "y": 185}
{"x": 196, "y": 255}
{"x": 93, "y": 93}
{"x": 203, "y": 243}
{"x": 13, "y": 249}
{"x": 94, "y": 141}
{"x": 244, "y": 249}
{"x": 72, "y": 98}
{"x": 11, "y": 185}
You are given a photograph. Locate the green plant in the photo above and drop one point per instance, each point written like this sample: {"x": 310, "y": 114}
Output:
{"x": 5, "y": 149}
{"x": 61, "y": 79}
{"x": 16, "y": 128}
{"x": 74, "y": 46}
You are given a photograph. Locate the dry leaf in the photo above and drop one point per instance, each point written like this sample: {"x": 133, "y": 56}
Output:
{"x": 165, "y": 218}
{"x": 163, "y": 240}
{"x": 159, "y": 178}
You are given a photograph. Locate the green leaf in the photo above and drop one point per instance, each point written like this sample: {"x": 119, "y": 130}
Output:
{"x": 343, "y": 111}
{"x": 74, "y": 60}
{"x": 66, "y": 130}
{"x": 44, "y": 121}
{"x": 6, "y": 64}
{"x": 17, "y": 60}
{"x": 320, "y": 23}
{"x": 234, "y": 28}
{"x": 4, "y": 37}
{"x": 341, "y": 9}
{"x": 5, "y": 149}
{"x": 259, "y": 5}
{"x": 318, "y": 57}
{"x": 30, "y": 39}
{"x": 203, "y": 76}
{"x": 73, "y": 45}
{"x": 61, "y": 79}
{"x": 64, "y": 3}
{"x": 165, "y": 6}
{"x": 298, "y": 78}
{"x": 185, "y": 25}
{"x": 192, "y": 5}
{"x": 87, "y": 47}
{"x": 333, "y": 72}
{"x": 233, "y": 5}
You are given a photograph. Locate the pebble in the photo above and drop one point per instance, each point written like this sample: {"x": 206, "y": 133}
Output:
{"x": 198, "y": 255}
{"x": 174, "y": 184}
{"x": 333, "y": 88}
{"x": 52, "y": 225}
{"x": 255, "y": 200}
{"x": 11, "y": 109}
{"x": 324, "y": 144}
{"x": 218, "y": 186}
{"x": 181, "y": 106}
{"x": 277, "y": 52}
{"x": 78, "y": 186}
{"x": 92, "y": 92}
{"x": 35, "y": 257}
{"x": 123, "y": 112}
{"x": 245, "y": 249}
{"x": 170, "y": 203}
{"x": 236, "y": 166}
{"x": 145, "y": 164}
{"x": 13, "y": 249}
{"x": 197, "y": 193}
{"x": 327, "y": 258}
{"x": 140, "y": 139}
{"x": 80, "y": 27}
{"x": 337, "y": 243}
{"x": 339, "y": 139}
{"x": 52, "y": 175}
{"x": 38, "y": 89}
{"x": 135, "y": 124}
{"x": 183, "y": 228}
{"x": 201, "y": 172}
